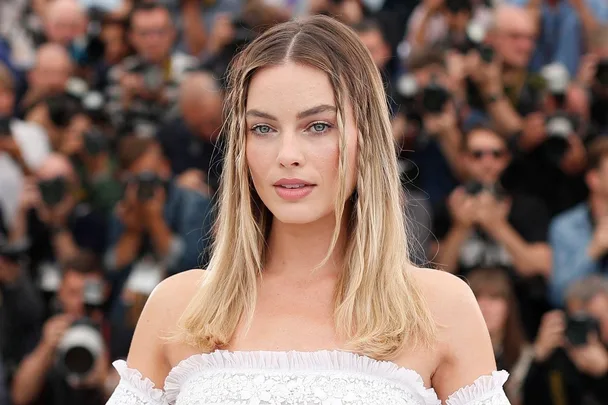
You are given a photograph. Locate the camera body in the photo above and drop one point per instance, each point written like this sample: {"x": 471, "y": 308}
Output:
{"x": 79, "y": 350}
{"x": 95, "y": 142}
{"x": 147, "y": 183}
{"x": 473, "y": 188}
{"x": 53, "y": 191}
{"x": 559, "y": 127}
{"x": 578, "y": 327}
{"x": 434, "y": 97}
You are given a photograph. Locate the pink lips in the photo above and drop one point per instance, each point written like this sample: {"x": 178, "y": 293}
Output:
{"x": 293, "y": 189}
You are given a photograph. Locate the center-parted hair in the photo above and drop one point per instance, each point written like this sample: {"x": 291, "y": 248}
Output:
{"x": 378, "y": 307}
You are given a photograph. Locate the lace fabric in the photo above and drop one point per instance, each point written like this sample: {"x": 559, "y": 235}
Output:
{"x": 295, "y": 378}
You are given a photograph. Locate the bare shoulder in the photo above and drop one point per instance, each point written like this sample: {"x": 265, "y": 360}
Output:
{"x": 464, "y": 341}
{"x": 446, "y": 294}
{"x": 158, "y": 321}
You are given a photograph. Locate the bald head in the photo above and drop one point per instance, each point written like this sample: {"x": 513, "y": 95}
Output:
{"x": 201, "y": 101}
{"x": 64, "y": 21}
{"x": 513, "y": 35}
{"x": 52, "y": 70}
{"x": 56, "y": 165}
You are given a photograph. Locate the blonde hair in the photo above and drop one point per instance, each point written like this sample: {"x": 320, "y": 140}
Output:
{"x": 378, "y": 307}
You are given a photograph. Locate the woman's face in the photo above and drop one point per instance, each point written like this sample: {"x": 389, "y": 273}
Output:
{"x": 292, "y": 142}
{"x": 495, "y": 311}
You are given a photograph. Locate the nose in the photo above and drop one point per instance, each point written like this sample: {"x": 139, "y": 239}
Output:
{"x": 290, "y": 151}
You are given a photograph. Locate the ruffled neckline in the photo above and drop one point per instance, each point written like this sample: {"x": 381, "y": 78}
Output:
{"x": 322, "y": 360}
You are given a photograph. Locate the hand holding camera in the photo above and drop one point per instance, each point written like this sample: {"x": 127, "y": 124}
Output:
{"x": 550, "y": 335}
{"x": 128, "y": 210}
{"x": 590, "y": 358}
{"x": 463, "y": 208}
{"x": 54, "y": 330}
{"x": 484, "y": 69}
{"x": 144, "y": 201}
{"x": 440, "y": 122}
{"x": 491, "y": 211}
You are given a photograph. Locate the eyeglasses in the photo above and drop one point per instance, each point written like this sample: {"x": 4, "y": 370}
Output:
{"x": 478, "y": 154}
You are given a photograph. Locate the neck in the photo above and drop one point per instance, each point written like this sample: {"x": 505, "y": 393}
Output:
{"x": 294, "y": 250}
{"x": 511, "y": 75}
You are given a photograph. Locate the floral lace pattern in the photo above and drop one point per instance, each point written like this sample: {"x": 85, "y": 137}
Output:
{"x": 295, "y": 378}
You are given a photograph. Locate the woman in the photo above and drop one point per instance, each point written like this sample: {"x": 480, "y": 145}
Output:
{"x": 309, "y": 297}
{"x": 496, "y": 298}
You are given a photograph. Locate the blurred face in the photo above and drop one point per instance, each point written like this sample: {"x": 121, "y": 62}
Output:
{"x": 486, "y": 156}
{"x": 152, "y": 34}
{"x": 514, "y": 41}
{"x": 113, "y": 37}
{"x": 51, "y": 75}
{"x": 495, "y": 311}
{"x": 292, "y": 142}
{"x": 423, "y": 76}
{"x": 378, "y": 48}
{"x": 7, "y": 101}
{"x": 64, "y": 27}
{"x": 203, "y": 114}
{"x": 458, "y": 21}
{"x": 598, "y": 179}
{"x": 71, "y": 292}
{"x": 152, "y": 161}
{"x": 598, "y": 308}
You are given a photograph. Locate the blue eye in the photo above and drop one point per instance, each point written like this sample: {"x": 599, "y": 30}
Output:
{"x": 320, "y": 127}
{"x": 261, "y": 129}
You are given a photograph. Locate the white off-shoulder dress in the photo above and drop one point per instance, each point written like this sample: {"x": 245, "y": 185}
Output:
{"x": 294, "y": 378}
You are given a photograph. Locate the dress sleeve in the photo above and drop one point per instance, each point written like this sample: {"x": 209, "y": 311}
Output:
{"x": 486, "y": 390}
{"x": 133, "y": 389}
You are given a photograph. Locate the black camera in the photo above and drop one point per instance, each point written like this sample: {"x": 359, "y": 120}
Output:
{"x": 5, "y": 126}
{"x": 53, "y": 191}
{"x": 558, "y": 127}
{"x": 557, "y": 79}
{"x": 147, "y": 183}
{"x": 434, "y": 97}
{"x": 473, "y": 188}
{"x": 486, "y": 52}
{"x": 578, "y": 327}
{"x": 95, "y": 142}
{"x": 62, "y": 109}
{"x": 601, "y": 74}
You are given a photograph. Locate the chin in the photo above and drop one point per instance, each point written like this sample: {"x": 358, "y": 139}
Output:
{"x": 302, "y": 215}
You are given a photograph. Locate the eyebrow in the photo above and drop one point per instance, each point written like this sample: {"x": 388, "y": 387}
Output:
{"x": 303, "y": 114}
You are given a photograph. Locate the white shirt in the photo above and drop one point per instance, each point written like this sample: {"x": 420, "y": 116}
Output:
{"x": 35, "y": 148}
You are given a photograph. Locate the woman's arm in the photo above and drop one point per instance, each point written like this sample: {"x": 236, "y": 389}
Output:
{"x": 149, "y": 349}
{"x": 466, "y": 352}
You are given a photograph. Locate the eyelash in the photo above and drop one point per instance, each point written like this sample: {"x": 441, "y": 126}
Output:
{"x": 327, "y": 128}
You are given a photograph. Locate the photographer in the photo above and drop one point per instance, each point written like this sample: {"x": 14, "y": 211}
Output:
{"x": 481, "y": 225}
{"x": 54, "y": 222}
{"x": 190, "y": 143}
{"x": 69, "y": 364}
{"x": 571, "y": 351}
{"x": 158, "y": 227}
{"x": 579, "y": 236}
{"x": 431, "y": 118}
{"x": 23, "y": 147}
{"x": 145, "y": 85}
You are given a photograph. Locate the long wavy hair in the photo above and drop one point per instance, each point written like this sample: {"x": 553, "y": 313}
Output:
{"x": 378, "y": 307}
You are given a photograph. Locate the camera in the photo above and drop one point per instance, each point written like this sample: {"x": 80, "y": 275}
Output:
{"x": 558, "y": 127}
{"x": 434, "y": 97}
{"x": 79, "y": 349}
{"x": 5, "y": 126}
{"x": 95, "y": 142}
{"x": 53, "y": 191}
{"x": 62, "y": 109}
{"x": 473, "y": 188}
{"x": 153, "y": 78}
{"x": 557, "y": 78}
{"x": 578, "y": 327}
{"x": 601, "y": 74}
{"x": 408, "y": 92}
{"x": 147, "y": 183}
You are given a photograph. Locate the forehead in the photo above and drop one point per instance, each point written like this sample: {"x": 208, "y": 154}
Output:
{"x": 288, "y": 89}
{"x": 514, "y": 21}
{"x": 150, "y": 17}
{"x": 484, "y": 137}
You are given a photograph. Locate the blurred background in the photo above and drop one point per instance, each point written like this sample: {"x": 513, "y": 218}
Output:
{"x": 111, "y": 153}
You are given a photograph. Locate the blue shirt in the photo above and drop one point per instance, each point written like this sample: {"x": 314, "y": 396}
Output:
{"x": 561, "y": 34}
{"x": 569, "y": 235}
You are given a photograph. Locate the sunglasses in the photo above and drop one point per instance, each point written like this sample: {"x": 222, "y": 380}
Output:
{"x": 495, "y": 153}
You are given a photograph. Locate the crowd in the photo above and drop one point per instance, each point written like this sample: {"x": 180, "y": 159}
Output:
{"x": 111, "y": 155}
